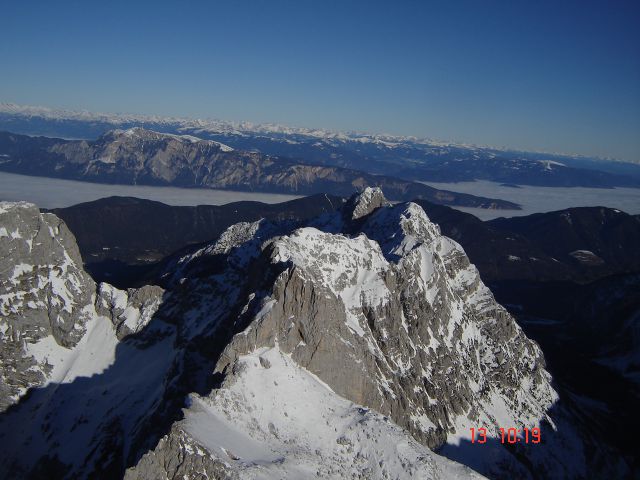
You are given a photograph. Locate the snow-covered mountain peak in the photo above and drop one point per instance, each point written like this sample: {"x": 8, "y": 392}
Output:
{"x": 400, "y": 228}
{"x": 304, "y": 351}
{"x": 388, "y": 316}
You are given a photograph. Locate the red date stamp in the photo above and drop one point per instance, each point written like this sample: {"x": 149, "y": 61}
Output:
{"x": 508, "y": 435}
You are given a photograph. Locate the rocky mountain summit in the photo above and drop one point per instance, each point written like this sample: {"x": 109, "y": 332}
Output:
{"x": 359, "y": 344}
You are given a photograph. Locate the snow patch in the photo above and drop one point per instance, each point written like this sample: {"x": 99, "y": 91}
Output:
{"x": 281, "y": 422}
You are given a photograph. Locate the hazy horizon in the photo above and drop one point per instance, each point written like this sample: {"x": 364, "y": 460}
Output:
{"x": 54, "y": 109}
{"x": 536, "y": 76}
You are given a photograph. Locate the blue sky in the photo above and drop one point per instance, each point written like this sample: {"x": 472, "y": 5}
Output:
{"x": 547, "y": 75}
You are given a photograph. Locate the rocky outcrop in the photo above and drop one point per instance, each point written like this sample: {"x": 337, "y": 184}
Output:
{"x": 361, "y": 205}
{"x": 178, "y": 455}
{"x": 351, "y": 347}
{"x": 130, "y": 311}
{"x": 68, "y": 388}
{"x": 45, "y": 295}
{"x": 390, "y": 316}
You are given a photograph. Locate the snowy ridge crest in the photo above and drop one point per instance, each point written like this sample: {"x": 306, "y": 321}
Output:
{"x": 395, "y": 318}
{"x": 144, "y": 134}
{"x": 350, "y": 346}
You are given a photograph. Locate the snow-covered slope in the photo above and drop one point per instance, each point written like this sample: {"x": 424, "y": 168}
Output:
{"x": 355, "y": 345}
{"x": 59, "y": 333}
{"x": 391, "y": 316}
{"x": 274, "y": 419}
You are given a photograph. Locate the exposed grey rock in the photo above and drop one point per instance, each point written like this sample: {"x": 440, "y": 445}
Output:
{"x": 178, "y": 456}
{"x": 364, "y": 203}
{"x": 392, "y": 317}
{"x": 415, "y": 335}
{"x": 69, "y": 391}
{"x": 130, "y": 311}
{"x": 44, "y": 292}
{"x": 374, "y": 334}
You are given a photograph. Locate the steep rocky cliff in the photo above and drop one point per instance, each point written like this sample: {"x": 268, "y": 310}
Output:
{"x": 391, "y": 316}
{"x": 58, "y": 330}
{"x": 355, "y": 346}
{"x": 45, "y": 295}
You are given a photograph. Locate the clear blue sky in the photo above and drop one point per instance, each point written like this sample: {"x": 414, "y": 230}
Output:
{"x": 550, "y": 75}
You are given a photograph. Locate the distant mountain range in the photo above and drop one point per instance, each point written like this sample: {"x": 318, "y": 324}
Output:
{"x": 144, "y": 157}
{"x": 576, "y": 244}
{"x": 409, "y": 158}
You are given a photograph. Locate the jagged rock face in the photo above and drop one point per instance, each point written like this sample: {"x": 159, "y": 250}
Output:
{"x": 129, "y": 311}
{"x": 178, "y": 455}
{"x": 395, "y": 318}
{"x": 45, "y": 295}
{"x": 58, "y": 331}
{"x": 345, "y": 348}
{"x": 48, "y": 299}
{"x": 390, "y": 316}
{"x": 365, "y": 203}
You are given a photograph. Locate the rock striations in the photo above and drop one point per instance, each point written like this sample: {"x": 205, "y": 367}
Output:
{"x": 361, "y": 344}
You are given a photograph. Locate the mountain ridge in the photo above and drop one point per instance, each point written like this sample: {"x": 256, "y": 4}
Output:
{"x": 406, "y": 157}
{"x": 502, "y": 250}
{"x": 374, "y": 287}
{"x": 8, "y": 108}
{"x": 151, "y": 158}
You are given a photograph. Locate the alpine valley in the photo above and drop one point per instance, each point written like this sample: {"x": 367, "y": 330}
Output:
{"x": 332, "y": 339}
